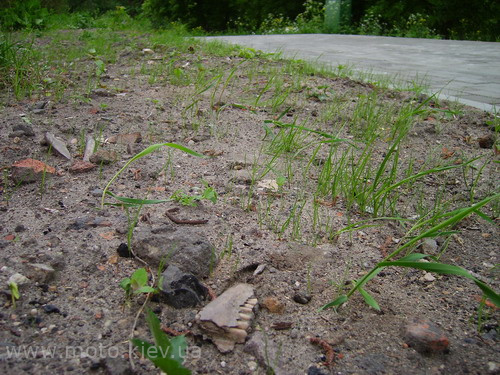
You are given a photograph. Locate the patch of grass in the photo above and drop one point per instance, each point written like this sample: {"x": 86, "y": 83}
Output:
{"x": 413, "y": 260}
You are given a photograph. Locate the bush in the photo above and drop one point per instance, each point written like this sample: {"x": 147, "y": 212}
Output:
{"x": 23, "y": 14}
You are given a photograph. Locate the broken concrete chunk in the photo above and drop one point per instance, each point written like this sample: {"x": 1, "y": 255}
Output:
{"x": 31, "y": 170}
{"x": 227, "y": 319}
{"x": 58, "y": 145}
{"x": 81, "y": 166}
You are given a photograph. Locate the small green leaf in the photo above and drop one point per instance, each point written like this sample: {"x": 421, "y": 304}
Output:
{"x": 160, "y": 337}
{"x": 447, "y": 269}
{"x": 210, "y": 194}
{"x": 139, "y": 278}
{"x": 134, "y": 201}
{"x": 145, "y": 289}
{"x": 369, "y": 299}
{"x": 160, "y": 358}
{"x": 125, "y": 284}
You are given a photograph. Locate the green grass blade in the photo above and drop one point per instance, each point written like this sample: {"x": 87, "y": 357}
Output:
{"x": 160, "y": 337}
{"x": 323, "y": 134}
{"x": 420, "y": 174}
{"x": 134, "y": 201}
{"x": 413, "y": 257}
{"x": 485, "y": 217}
{"x": 143, "y": 153}
{"x": 369, "y": 299}
{"x": 155, "y": 355}
{"x": 337, "y": 302}
{"x": 447, "y": 269}
{"x": 458, "y": 216}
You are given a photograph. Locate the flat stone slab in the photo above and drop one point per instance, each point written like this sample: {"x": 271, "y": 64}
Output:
{"x": 466, "y": 71}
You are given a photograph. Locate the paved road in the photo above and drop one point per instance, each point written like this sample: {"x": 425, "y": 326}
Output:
{"x": 459, "y": 70}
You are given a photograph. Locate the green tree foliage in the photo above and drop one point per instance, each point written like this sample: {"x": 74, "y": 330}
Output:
{"x": 218, "y": 15}
{"x": 456, "y": 19}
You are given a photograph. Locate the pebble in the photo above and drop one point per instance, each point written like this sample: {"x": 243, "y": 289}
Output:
{"x": 19, "y": 228}
{"x": 492, "y": 367}
{"x": 429, "y": 246}
{"x": 252, "y": 365}
{"x": 429, "y": 277}
{"x": 274, "y": 305}
{"x": 302, "y": 298}
{"x": 223, "y": 364}
{"x": 39, "y": 272}
{"x": 123, "y": 251}
{"x": 96, "y": 192}
{"x": 51, "y": 309}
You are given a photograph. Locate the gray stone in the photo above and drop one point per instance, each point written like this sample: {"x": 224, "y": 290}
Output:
{"x": 39, "y": 272}
{"x": 185, "y": 247}
{"x": 429, "y": 246}
{"x": 302, "y": 298}
{"x": 24, "y": 129}
{"x": 181, "y": 289}
{"x": 104, "y": 157}
{"x": 266, "y": 352}
{"x": 58, "y": 145}
{"x": 18, "y": 279}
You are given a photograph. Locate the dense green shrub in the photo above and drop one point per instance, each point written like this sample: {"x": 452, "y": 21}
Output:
{"x": 23, "y": 14}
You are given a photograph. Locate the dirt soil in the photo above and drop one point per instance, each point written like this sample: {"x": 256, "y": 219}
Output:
{"x": 60, "y": 222}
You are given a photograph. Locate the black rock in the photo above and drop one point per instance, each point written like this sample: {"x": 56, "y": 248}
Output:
{"x": 51, "y": 309}
{"x": 19, "y": 228}
{"x": 302, "y": 298}
{"x": 123, "y": 251}
{"x": 181, "y": 289}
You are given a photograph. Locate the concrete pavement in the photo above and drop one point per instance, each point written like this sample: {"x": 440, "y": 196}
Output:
{"x": 466, "y": 71}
